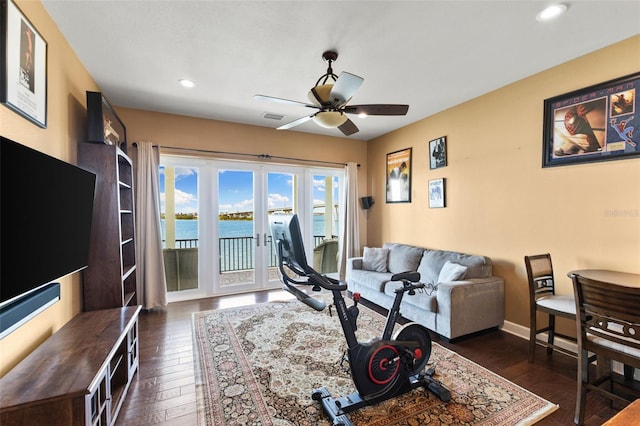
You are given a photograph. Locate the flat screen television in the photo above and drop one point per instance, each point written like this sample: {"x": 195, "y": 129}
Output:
{"x": 46, "y": 208}
{"x": 286, "y": 228}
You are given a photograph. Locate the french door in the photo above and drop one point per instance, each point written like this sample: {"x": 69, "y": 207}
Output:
{"x": 247, "y": 194}
{"x": 215, "y": 222}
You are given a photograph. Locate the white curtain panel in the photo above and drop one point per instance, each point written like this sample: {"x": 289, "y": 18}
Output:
{"x": 152, "y": 287}
{"x": 349, "y": 234}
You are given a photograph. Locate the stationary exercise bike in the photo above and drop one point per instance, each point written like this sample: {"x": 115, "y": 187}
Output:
{"x": 381, "y": 368}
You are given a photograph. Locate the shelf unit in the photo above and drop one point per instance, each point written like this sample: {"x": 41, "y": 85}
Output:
{"x": 79, "y": 376}
{"x": 110, "y": 278}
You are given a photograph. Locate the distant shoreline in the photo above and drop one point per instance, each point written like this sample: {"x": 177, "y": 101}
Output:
{"x": 220, "y": 217}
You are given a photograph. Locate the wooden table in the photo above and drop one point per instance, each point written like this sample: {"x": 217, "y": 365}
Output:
{"x": 624, "y": 279}
{"x": 630, "y": 415}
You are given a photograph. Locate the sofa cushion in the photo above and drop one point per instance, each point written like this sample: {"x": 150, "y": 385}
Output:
{"x": 433, "y": 261}
{"x": 370, "y": 279}
{"x": 423, "y": 299}
{"x": 451, "y": 272}
{"x": 403, "y": 258}
{"x": 375, "y": 259}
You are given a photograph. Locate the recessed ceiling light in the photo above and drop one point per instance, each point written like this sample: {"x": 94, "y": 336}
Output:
{"x": 186, "y": 83}
{"x": 551, "y": 12}
{"x": 362, "y": 115}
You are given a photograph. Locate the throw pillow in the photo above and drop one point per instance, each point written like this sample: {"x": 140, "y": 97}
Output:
{"x": 451, "y": 272}
{"x": 375, "y": 259}
{"x": 403, "y": 258}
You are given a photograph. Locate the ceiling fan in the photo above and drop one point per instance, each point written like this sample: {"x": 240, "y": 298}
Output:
{"x": 330, "y": 96}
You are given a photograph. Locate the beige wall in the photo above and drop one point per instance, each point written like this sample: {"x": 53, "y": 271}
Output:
{"x": 66, "y": 125}
{"x": 500, "y": 201}
{"x": 168, "y": 130}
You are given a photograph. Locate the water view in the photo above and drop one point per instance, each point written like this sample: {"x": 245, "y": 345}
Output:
{"x": 188, "y": 229}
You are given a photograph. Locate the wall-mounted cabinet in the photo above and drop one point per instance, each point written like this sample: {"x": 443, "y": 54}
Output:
{"x": 110, "y": 279}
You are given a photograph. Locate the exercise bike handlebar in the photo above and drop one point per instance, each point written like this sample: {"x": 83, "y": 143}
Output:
{"x": 316, "y": 304}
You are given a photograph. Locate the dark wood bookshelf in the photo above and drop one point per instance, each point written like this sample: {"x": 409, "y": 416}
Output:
{"x": 110, "y": 279}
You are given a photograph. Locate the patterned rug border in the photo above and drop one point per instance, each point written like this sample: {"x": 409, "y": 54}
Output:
{"x": 261, "y": 407}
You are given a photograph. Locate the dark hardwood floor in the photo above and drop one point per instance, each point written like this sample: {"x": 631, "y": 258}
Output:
{"x": 163, "y": 391}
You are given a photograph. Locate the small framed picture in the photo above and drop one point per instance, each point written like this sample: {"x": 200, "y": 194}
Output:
{"x": 23, "y": 64}
{"x": 438, "y": 153}
{"x": 398, "y": 171}
{"x": 436, "y": 193}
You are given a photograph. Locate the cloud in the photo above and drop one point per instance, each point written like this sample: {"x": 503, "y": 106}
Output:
{"x": 244, "y": 205}
{"x": 318, "y": 185}
{"x": 184, "y": 202}
{"x": 278, "y": 200}
{"x": 183, "y": 198}
{"x": 183, "y": 172}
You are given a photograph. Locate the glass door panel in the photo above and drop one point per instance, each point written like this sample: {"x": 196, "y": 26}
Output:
{"x": 282, "y": 197}
{"x": 326, "y": 197}
{"x": 179, "y": 226}
{"x": 237, "y": 235}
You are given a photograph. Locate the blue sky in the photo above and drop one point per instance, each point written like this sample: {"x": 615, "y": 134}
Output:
{"x": 236, "y": 189}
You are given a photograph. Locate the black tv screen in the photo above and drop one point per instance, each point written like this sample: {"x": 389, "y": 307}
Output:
{"x": 46, "y": 207}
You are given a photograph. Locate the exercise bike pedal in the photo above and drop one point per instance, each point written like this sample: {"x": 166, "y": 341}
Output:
{"x": 337, "y": 408}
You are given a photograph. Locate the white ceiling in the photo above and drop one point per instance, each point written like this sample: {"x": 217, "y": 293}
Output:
{"x": 431, "y": 55}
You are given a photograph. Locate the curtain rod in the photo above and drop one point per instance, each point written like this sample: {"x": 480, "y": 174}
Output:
{"x": 260, "y": 156}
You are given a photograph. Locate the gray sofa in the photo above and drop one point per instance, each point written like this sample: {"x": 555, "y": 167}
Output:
{"x": 461, "y": 296}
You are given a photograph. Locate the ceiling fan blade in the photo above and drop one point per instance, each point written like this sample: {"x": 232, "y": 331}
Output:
{"x": 282, "y": 101}
{"x": 348, "y": 128}
{"x": 377, "y": 109}
{"x": 295, "y": 123}
{"x": 345, "y": 87}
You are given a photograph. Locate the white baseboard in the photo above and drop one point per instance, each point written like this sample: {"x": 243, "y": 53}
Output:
{"x": 523, "y": 332}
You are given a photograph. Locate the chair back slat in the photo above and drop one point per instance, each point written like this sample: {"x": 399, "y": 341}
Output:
{"x": 540, "y": 275}
{"x": 608, "y": 311}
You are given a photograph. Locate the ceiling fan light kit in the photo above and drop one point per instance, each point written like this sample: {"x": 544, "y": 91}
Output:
{"x": 330, "y": 96}
{"x": 330, "y": 119}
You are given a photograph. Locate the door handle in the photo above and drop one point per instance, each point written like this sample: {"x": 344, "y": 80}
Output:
{"x": 265, "y": 240}
{"x": 258, "y": 240}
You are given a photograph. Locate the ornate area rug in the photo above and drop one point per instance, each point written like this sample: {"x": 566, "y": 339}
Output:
{"x": 258, "y": 365}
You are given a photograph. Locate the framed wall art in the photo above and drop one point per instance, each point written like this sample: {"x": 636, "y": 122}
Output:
{"x": 436, "y": 193}
{"x": 398, "y": 171}
{"x": 438, "y": 153}
{"x": 598, "y": 123}
{"x": 23, "y": 61}
{"x": 103, "y": 124}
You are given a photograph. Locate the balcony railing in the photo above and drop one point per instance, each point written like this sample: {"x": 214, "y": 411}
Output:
{"x": 238, "y": 253}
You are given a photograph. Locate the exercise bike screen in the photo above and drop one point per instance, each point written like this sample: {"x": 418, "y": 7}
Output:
{"x": 286, "y": 228}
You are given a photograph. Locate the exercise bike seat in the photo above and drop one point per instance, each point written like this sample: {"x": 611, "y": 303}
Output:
{"x": 414, "y": 277}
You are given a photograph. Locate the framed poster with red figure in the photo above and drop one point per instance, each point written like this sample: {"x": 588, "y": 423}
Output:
{"x": 598, "y": 123}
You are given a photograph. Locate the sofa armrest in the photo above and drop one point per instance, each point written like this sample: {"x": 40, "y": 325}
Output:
{"x": 472, "y": 304}
{"x": 473, "y": 287}
{"x": 353, "y": 263}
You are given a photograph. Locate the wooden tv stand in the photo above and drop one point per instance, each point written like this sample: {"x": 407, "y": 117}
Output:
{"x": 79, "y": 376}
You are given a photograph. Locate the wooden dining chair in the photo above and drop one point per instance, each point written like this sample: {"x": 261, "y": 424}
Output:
{"x": 543, "y": 298}
{"x": 608, "y": 327}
